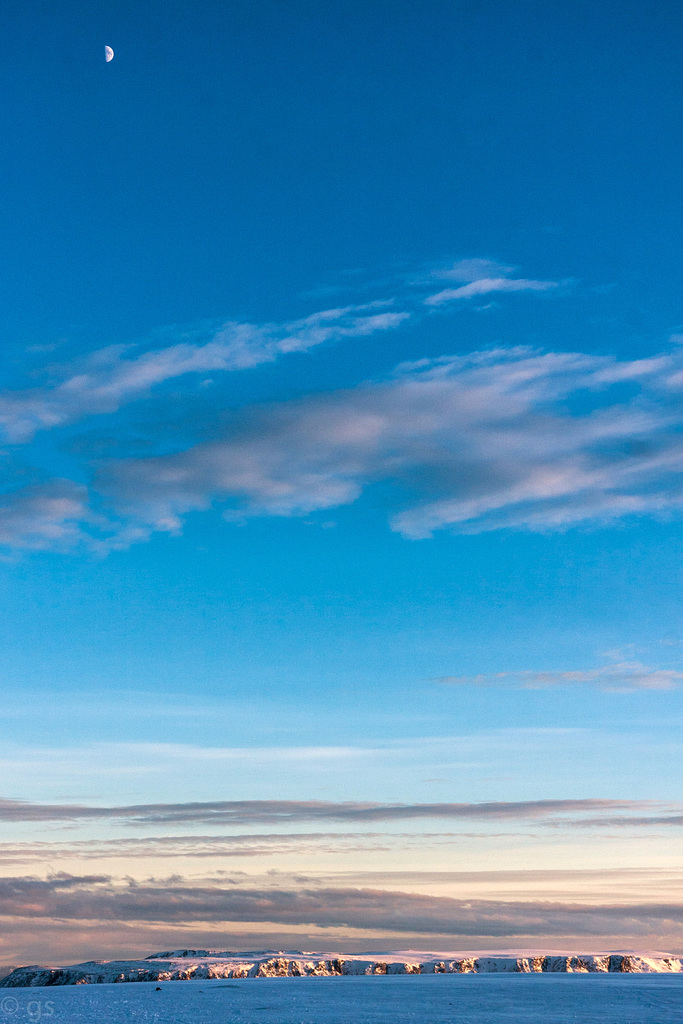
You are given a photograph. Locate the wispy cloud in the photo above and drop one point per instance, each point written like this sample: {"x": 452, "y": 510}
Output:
{"x": 468, "y": 270}
{"x": 622, "y": 677}
{"x": 506, "y": 438}
{"x": 109, "y": 378}
{"x": 483, "y": 442}
{"x": 486, "y": 285}
{"x": 215, "y": 847}
{"x": 481, "y": 277}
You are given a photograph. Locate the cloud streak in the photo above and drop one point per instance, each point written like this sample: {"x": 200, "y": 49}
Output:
{"x": 486, "y": 285}
{"x": 111, "y": 377}
{"x": 249, "y": 466}
{"x": 624, "y": 677}
{"x": 482, "y": 277}
{"x": 292, "y": 812}
{"x": 214, "y": 847}
{"x": 106, "y": 379}
{"x": 499, "y": 439}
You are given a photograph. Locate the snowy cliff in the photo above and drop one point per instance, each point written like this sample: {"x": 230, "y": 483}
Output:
{"x": 192, "y": 964}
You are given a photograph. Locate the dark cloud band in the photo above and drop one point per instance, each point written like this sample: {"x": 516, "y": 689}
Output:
{"x": 93, "y": 897}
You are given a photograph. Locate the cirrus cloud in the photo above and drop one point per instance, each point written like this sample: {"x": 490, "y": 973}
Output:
{"x": 486, "y": 285}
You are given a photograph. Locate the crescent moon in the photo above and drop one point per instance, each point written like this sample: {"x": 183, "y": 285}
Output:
{"x": 108, "y": 53}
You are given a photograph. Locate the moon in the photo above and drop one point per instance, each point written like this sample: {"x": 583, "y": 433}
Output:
{"x": 108, "y": 53}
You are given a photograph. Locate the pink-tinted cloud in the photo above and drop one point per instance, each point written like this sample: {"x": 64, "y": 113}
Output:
{"x": 621, "y": 677}
{"x": 474, "y": 443}
{"x": 110, "y": 378}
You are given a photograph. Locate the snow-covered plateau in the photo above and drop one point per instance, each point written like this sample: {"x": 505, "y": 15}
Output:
{"x": 203, "y": 965}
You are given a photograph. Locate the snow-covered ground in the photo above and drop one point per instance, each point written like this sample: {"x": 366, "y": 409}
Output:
{"x": 425, "y": 999}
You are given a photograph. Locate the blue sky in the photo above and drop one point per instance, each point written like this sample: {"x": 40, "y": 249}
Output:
{"x": 341, "y": 418}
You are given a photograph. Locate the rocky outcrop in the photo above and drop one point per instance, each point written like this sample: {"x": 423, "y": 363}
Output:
{"x": 192, "y": 964}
